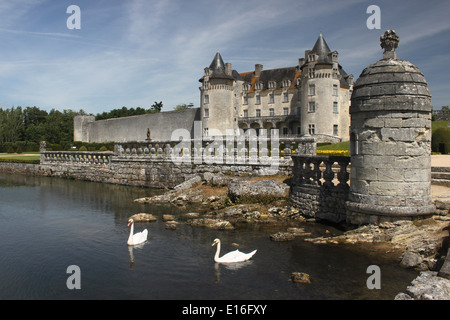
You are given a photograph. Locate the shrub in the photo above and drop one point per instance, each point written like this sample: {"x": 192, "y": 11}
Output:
{"x": 82, "y": 148}
{"x": 19, "y": 150}
{"x": 10, "y": 149}
{"x": 440, "y": 140}
{"x": 103, "y": 148}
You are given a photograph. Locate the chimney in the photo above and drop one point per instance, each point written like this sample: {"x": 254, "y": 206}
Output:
{"x": 228, "y": 69}
{"x": 258, "y": 69}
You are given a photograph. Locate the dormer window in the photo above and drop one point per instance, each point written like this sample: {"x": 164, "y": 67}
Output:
{"x": 272, "y": 85}
{"x": 259, "y": 86}
{"x": 286, "y": 83}
{"x": 247, "y": 87}
{"x": 311, "y": 57}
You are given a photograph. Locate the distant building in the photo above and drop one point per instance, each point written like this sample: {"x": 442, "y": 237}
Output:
{"x": 310, "y": 98}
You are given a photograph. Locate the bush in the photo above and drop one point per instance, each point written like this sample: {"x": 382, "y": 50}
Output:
{"x": 440, "y": 141}
{"x": 10, "y": 149}
{"x": 82, "y": 148}
{"x": 103, "y": 148}
{"x": 19, "y": 150}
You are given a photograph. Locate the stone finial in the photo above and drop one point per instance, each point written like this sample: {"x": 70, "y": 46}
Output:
{"x": 389, "y": 42}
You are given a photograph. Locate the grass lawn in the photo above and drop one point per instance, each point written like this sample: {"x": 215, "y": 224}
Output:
{"x": 22, "y": 157}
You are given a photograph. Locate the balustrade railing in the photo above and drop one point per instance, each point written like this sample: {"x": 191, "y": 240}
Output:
{"x": 321, "y": 170}
{"x": 73, "y": 157}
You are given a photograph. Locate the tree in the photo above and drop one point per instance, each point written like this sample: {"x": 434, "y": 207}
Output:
{"x": 157, "y": 106}
{"x": 184, "y": 106}
{"x": 11, "y": 124}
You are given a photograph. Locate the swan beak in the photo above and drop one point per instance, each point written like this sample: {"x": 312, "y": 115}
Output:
{"x": 213, "y": 244}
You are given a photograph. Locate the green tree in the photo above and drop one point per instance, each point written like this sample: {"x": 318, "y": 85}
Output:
{"x": 184, "y": 106}
{"x": 157, "y": 106}
{"x": 11, "y": 124}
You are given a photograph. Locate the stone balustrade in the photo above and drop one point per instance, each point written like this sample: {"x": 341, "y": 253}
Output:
{"x": 320, "y": 186}
{"x": 76, "y": 158}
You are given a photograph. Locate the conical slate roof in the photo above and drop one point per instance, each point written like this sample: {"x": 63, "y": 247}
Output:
{"x": 322, "y": 49}
{"x": 218, "y": 68}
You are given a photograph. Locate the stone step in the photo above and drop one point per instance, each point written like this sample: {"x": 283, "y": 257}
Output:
{"x": 441, "y": 182}
{"x": 440, "y": 169}
{"x": 440, "y": 175}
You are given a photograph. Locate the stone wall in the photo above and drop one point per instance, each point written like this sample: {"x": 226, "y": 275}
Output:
{"x": 161, "y": 126}
{"x": 320, "y": 187}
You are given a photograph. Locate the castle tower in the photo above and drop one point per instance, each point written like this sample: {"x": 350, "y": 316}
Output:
{"x": 324, "y": 92}
{"x": 390, "y": 137}
{"x": 217, "y": 99}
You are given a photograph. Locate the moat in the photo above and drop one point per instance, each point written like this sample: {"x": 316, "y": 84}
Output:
{"x": 48, "y": 224}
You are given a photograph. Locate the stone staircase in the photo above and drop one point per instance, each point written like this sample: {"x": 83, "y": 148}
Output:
{"x": 440, "y": 176}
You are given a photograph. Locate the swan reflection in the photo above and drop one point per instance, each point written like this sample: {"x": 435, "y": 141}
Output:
{"x": 130, "y": 251}
{"x": 230, "y": 266}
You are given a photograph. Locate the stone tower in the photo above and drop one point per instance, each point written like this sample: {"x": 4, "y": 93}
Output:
{"x": 324, "y": 92}
{"x": 217, "y": 99}
{"x": 390, "y": 141}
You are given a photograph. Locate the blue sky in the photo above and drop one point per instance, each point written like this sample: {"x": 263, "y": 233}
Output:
{"x": 134, "y": 52}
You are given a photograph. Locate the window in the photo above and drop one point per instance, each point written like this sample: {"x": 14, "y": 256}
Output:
{"x": 246, "y": 113}
{"x": 335, "y": 107}
{"x": 285, "y": 131}
{"x": 285, "y": 111}
{"x": 335, "y": 129}
{"x": 312, "y": 107}
{"x": 299, "y": 130}
{"x": 286, "y": 83}
{"x": 312, "y": 57}
{"x": 206, "y": 113}
{"x": 259, "y": 86}
{"x": 312, "y": 90}
{"x": 335, "y": 90}
{"x": 205, "y": 132}
{"x": 312, "y": 129}
{"x": 271, "y": 112}
{"x": 258, "y": 112}
{"x": 271, "y": 98}
{"x": 286, "y": 97}
{"x": 272, "y": 85}
{"x": 206, "y": 99}
{"x": 297, "y": 111}
{"x": 258, "y": 99}
{"x": 245, "y": 99}
{"x": 247, "y": 87}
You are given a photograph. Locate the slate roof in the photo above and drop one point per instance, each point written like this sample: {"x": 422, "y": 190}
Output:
{"x": 322, "y": 49}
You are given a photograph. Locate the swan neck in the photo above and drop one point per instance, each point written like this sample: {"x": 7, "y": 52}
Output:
{"x": 217, "y": 251}
{"x": 131, "y": 232}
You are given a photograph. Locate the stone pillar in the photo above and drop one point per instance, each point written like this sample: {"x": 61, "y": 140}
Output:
{"x": 390, "y": 136}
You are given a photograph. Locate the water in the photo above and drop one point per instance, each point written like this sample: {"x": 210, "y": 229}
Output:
{"x": 48, "y": 224}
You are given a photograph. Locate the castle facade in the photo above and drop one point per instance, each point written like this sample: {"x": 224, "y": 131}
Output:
{"x": 310, "y": 98}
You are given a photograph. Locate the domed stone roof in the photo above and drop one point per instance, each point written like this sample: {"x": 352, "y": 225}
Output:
{"x": 391, "y": 84}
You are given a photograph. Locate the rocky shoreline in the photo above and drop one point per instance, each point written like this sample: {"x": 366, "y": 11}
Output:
{"x": 224, "y": 202}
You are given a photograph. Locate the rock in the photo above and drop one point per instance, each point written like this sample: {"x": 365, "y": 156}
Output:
{"x": 261, "y": 191}
{"x": 299, "y": 232}
{"x": 300, "y": 277}
{"x": 143, "y": 217}
{"x": 168, "y": 217}
{"x": 171, "y": 225}
{"x": 217, "y": 224}
{"x": 428, "y": 286}
{"x": 196, "y": 180}
{"x": 403, "y": 296}
{"x": 444, "y": 272}
{"x": 192, "y": 215}
{"x": 411, "y": 259}
{"x": 282, "y": 236}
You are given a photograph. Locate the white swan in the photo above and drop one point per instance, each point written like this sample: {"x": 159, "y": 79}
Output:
{"x": 233, "y": 256}
{"x": 137, "y": 238}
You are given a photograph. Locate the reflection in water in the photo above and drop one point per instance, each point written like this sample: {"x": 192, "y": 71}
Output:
{"x": 130, "y": 251}
{"x": 230, "y": 266}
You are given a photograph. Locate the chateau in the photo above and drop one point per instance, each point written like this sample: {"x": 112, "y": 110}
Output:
{"x": 312, "y": 98}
